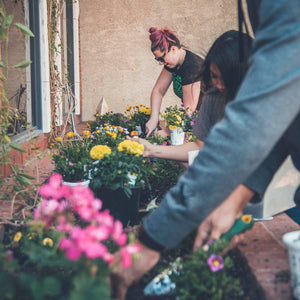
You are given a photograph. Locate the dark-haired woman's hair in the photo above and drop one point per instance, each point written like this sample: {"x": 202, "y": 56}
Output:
{"x": 162, "y": 39}
{"x": 224, "y": 53}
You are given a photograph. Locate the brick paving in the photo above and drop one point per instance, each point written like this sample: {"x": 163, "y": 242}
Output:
{"x": 261, "y": 249}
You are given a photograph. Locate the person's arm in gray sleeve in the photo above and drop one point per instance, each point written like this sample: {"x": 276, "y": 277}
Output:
{"x": 259, "y": 180}
{"x": 265, "y": 106}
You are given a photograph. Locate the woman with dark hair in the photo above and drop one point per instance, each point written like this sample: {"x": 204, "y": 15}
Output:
{"x": 223, "y": 74}
{"x": 223, "y": 56}
{"x": 181, "y": 66}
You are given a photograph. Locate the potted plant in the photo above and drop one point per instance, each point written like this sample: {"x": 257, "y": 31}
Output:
{"x": 117, "y": 178}
{"x": 179, "y": 121}
{"x": 139, "y": 115}
{"x": 66, "y": 251}
{"x": 71, "y": 158}
{"x": 109, "y": 135}
{"x": 109, "y": 118}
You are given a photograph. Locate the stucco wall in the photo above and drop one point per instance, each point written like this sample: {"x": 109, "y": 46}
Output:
{"x": 116, "y": 61}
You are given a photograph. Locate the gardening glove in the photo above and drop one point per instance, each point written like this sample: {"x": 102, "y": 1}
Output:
{"x": 123, "y": 277}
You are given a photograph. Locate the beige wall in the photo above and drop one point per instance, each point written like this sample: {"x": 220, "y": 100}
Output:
{"x": 116, "y": 61}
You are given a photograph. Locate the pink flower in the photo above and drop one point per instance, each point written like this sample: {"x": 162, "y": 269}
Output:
{"x": 9, "y": 255}
{"x": 215, "y": 262}
{"x": 118, "y": 236}
{"x": 72, "y": 251}
{"x": 96, "y": 250}
{"x": 108, "y": 258}
{"x": 104, "y": 218}
{"x": 126, "y": 254}
{"x": 54, "y": 188}
{"x": 100, "y": 233}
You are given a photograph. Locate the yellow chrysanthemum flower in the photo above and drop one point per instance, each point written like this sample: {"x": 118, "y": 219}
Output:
{"x": 17, "y": 236}
{"x": 70, "y": 135}
{"x": 58, "y": 139}
{"x": 86, "y": 133}
{"x": 47, "y": 242}
{"x": 114, "y": 135}
{"x": 171, "y": 127}
{"x": 128, "y": 108}
{"x": 121, "y": 129}
{"x": 98, "y": 131}
{"x": 178, "y": 119}
{"x": 98, "y": 151}
{"x": 131, "y": 147}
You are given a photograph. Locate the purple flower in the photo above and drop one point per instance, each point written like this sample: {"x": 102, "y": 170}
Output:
{"x": 193, "y": 122}
{"x": 215, "y": 262}
{"x": 70, "y": 164}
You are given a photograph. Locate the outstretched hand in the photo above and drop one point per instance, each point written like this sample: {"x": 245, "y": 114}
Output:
{"x": 123, "y": 277}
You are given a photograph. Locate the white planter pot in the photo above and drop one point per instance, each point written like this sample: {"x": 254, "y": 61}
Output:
{"x": 139, "y": 130}
{"x": 82, "y": 183}
{"x": 131, "y": 179}
{"x": 292, "y": 241}
{"x": 177, "y": 136}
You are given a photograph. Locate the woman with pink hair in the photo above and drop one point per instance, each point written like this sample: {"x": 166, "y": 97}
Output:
{"x": 180, "y": 66}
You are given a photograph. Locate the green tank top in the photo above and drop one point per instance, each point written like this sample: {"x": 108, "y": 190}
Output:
{"x": 177, "y": 85}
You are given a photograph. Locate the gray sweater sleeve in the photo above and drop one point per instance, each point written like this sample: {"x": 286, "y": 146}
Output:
{"x": 211, "y": 112}
{"x": 265, "y": 106}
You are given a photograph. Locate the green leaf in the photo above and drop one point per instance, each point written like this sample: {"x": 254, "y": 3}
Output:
{"x": 3, "y": 34}
{"x": 23, "y": 64}
{"x": 51, "y": 286}
{"x": 8, "y": 20}
{"x": 2, "y": 65}
{"x": 23, "y": 180}
{"x": 27, "y": 176}
{"x": 24, "y": 29}
{"x": 17, "y": 147}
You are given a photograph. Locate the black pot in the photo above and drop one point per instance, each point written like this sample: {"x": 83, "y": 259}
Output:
{"x": 121, "y": 207}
